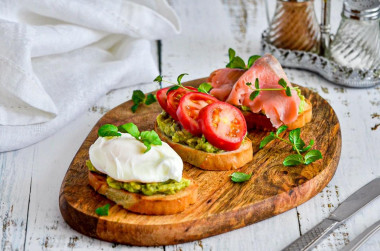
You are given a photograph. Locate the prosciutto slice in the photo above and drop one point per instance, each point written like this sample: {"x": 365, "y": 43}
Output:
{"x": 276, "y": 105}
{"x": 222, "y": 81}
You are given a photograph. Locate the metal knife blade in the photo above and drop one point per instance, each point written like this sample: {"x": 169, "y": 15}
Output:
{"x": 347, "y": 208}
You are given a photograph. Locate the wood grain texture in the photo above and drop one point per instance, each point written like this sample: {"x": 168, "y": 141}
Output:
{"x": 222, "y": 205}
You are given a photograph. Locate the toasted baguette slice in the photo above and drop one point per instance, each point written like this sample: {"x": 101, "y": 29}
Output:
{"x": 143, "y": 204}
{"x": 211, "y": 161}
{"x": 261, "y": 122}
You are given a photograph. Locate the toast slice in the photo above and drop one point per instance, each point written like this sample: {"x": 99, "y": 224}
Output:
{"x": 151, "y": 205}
{"x": 261, "y": 122}
{"x": 211, "y": 161}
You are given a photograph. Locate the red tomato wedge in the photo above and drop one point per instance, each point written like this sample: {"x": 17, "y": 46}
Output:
{"x": 188, "y": 110}
{"x": 173, "y": 100}
{"x": 223, "y": 125}
{"x": 161, "y": 97}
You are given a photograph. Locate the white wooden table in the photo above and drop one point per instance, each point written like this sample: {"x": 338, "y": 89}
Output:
{"x": 30, "y": 178}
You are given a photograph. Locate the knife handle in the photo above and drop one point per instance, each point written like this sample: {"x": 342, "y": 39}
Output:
{"x": 313, "y": 236}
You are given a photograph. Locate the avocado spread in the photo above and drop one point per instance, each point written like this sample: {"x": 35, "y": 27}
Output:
{"x": 167, "y": 187}
{"x": 177, "y": 134}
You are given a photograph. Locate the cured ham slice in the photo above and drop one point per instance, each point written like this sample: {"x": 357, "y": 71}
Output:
{"x": 222, "y": 81}
{"x": 276, "y": 105}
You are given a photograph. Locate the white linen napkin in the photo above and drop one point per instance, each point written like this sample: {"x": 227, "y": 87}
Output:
{"x": 58, "y": 57}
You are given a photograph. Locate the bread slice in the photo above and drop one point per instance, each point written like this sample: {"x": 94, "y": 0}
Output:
{"x": 261, "y": 122}
{"x": 143, "y": 204}
{"x": 211, "y": 161}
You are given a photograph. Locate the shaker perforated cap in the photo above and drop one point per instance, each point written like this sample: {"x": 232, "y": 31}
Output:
{"x": 361, "y": 9}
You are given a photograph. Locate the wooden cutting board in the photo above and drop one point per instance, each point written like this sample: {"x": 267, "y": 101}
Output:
{"x": 222, "y": 205}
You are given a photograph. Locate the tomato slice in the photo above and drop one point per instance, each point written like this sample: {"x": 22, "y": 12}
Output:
{"x": 188, "y": 110}
{"x": 161, "y": 97}
{"x": 223, "y": 125}
{"x": 173, "y": 100}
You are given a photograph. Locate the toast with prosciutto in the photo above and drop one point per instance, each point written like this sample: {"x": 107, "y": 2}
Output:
{"x": 268, "y": 103}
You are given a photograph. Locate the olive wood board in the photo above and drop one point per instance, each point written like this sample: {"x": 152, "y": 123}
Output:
{"x": 222, "y": 205}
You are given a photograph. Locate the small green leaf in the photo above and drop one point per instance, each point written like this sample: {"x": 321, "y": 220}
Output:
{"x": 300, "y": 144}
{"x": 282, "y": 82}
{"x": 252, "y": 60}
{"x": 308, "y": 147}
{"x": 134, "y": 107}
{"x": 281, "y": 129}
{"x": 108, "y": 130}
{"x": 236, "y": 63}
{"x": 148, "y": 146}
{"x": 131, "y": 129}
{"x": 257, "y": 86}
{"x": 267, "y": 139}
{"x": 172, "y": 89}
{"x": 254, "y": 94}
{"x": 288, "y": 91}
{"x": 294, "y": 135}
{"x": 312, "y": 156}
{"x": 240, "y": 177}
{"x": 231, "y": 54}
{"x": 150, "y": 99}
{"x": 158, "y": 79}
{"x": 103, "y": 211}
{"x": 138, "y": 96}
{"x": 248, "y": 83}
{"x": 179, "y": 78}
{"x": 204, "y": 87}
{"x": 293, "y": 160}
{"x": 150, "y": 138}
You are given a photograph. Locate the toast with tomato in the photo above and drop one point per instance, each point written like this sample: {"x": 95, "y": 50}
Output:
{"x": 204, "y": 131}
{"x": 264, "y": 94}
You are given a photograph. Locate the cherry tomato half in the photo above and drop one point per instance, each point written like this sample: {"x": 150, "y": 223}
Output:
{"x": 189, "y": 107}
{"x": 173, "y": 100}
{"x": 161, "y": 97}
{"x": 223, "y": 125}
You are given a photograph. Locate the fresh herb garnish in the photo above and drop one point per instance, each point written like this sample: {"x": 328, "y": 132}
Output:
{"x": 204, "y": 87}
{"x": 297, "y": 144}
{"x": 148, "y": 138}
{"x": 108, "y": 130}
{"x": 281, "y": 82}
{"x": 103, "y": 211}
{"x": 138, "y": 97}
{"x": 238, "y": 63}
{"x": 240, "y": 177}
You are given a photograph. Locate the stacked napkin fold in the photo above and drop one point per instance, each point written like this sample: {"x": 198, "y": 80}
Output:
{"x": 58, "y": 57}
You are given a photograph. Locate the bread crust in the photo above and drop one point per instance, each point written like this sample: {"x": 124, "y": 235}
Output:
{"x": 211, "y": 161}
{"x": 261, "y": 122}
{"x": 143, "y": 204}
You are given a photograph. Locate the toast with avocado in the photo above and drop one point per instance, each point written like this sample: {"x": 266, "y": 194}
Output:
{"x": 157, "y": 204}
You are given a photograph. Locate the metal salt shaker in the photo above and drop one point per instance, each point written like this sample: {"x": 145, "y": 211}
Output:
{"x": 357, "y": 41}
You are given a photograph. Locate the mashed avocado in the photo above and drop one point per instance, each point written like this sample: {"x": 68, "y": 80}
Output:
{"x": 167, "y": 187}
{"x": 179, "y": 135}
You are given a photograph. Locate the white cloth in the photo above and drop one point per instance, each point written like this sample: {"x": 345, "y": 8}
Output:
{"x": 57, "y": 57}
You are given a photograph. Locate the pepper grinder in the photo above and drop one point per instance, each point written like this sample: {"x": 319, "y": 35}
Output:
{"x": 295, "y": 26}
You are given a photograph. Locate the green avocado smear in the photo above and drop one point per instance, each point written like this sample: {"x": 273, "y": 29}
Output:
{"x": 177, "y": 134}
{"x": 167, "y": 187}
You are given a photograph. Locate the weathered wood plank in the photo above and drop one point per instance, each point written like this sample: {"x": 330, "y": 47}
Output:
{"x": 15, "y": 180}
